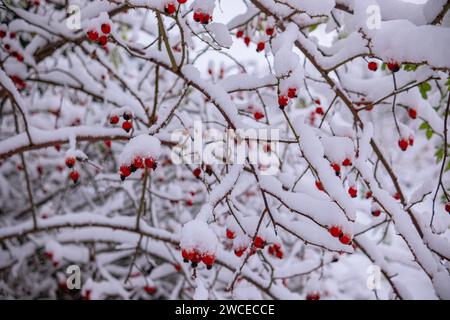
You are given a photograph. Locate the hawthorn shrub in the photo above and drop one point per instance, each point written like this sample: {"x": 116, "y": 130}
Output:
{"x": 107, "y": 109}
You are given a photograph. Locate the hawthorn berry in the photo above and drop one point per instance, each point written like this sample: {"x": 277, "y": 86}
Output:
{"x": 127, "y": 125}
{"x": 239, "y": 252}
{"x": 292, "y": 93}
{"x": 319, "y": 110}
{"x": 150, "y": 163}
{"x": 347, "y": 162}
{"x": 198, "y": 16}
{"x": 345, "y": 238}
{"x": 247, "y": 41}
{"x": 150, "y": 289}
{"x": 114, "y": 119}
{"x": 270, "y": 31}
{"x": 373, "y": 66}
{"x": 352, "y": 192}
{"x": 447, "y": 207}
{"x": 208, "y": 260}
{"x": 206, "y": 18}
{"x": 319, "y": 186}
{"x": 92, "y": 35}
{"x": 313, "y": 296}
{"x": 337, "y": 168}
{"x": 258, "y": 115}
{"x": 335, "y": 231}
{"x": 102, "y": 40}
{"x": 376, "y": 213}
{"x": 125, "y": 171}
{"x": 138, "y": 163}
{"x": 368, "y": 194}
{"x": 2, "y": 34}
{"x": 260, "y": 46}
{"x": 197, "y": 172}
{"x": 106, "y": 28}
{"x": 283, "y": 101}
{"x": 230, "y": 234}
{"x": 107, "y": 143}
{"x": 393, "y": 66}
{"x": 12, "y": 35}
{"x": 412, "y": 113}
{"x": 189, "y": 203}
{"x": 70, "y": 162}
{"x": 411, "y": 141}
{"x": 170, "y": 8}
{"x": 259, "y": 242}
{"x": 182, "y": 1}
{"x": 74, "y": 175}
{"x": 403, "y": 144}
{"x": 239, "y": 34}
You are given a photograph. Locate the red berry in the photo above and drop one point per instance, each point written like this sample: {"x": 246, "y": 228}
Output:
{"x": 259, "y": 242}
{"x": 258, "y": 115}
{"x": 373, "y": 66}
{"x": 92, "y": 35}
{"x": 125, "y": 171}
{"x": 74, "y": 175}
{"x": 102, "y": 40}
{"x": 352, "y": 192}
{"x": 345, "y": 238}
{"x": 19, "y": 57}
{"x": 270, "y": 31}
{"x": 114, "y": 119}
{"x": 185, "y": 255}
{"x": 347, "y": 162}
{"x": 230, "y": 234}
{"x": 198, "y": 16}
{"x": 2, "y": 34}
{"x": 127, "y": 125}
{"x": 239, "y": 252}
{"x": 208, "y": 260}
{"x": 170, "y": 8}
{"x": 260, "y": 46}
{"x": 206, "y": 18}
{"x": 138, "y": 163}
{"x": 335, "y": 231}
{"x": 106, "y": 28}
{"x": 267, "y": 148}
{"x": 313, "y": 296}
{"x": 368, "y": 194}
{"x": 182, "y": 1}
{"x": 376, "y": 213}
{"x": 12, "y": 35}
{"x": 239, "y": 34}
{"x": 403, "y": 144}
{"x": 247, "y": 41}
{"x": 279, "y": 254}
{"x": 292, "y": 93}
{"x": 70, "y": 162}
{"x": 411, "y": 140}
{"x": 319, "y": 186}
{"x": 447, "y": 207}
{"x": 197, "y": 172}
{"x": 393, "y": 66}
{"x": 397, "y": 196}
{"x": 412, "y": 113}
{"x": 150, "y": 289}
{"x": 319, "y": 110}
{"x": 150, "y": 163}
{"x": 189, "y": 203}
{"x": 337, "y": 168}
{"x": 283, "y": 101}
{"x": 107, "y": 143}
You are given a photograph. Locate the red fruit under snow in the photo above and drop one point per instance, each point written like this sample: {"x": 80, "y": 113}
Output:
{"x": 319, "y": 110}
{"x": 107, "y": 143}
{"x": 373, "y": 66}
{"x": 411, "y": 141}
{"x": 208, "y": 260}
{"x": 92, "y": 35}
{"x": 319, "y": 185}
{"x": 114, "y": 119}
{"x": 258, "y": 115}
{"x": 239, "y": 252}
{"x": 197, "y": 172}
{"x": 230, "y": 234}
{"x": 150, "y": 289}
{"x": 106, "y": 28}
{"x": 283, "y": 101}
{"x": 138, "y": 163}
{"x": 313, "y": 296}
{"x": 292, "y": 93}
{"x": 412, "y": 113}
{"x": 270, "y": 31}
{"x": 247, "y": 41}
{"x": 347, "y": 162}
{"x": 239, "y": 34}
{"x": 70, "y": 162}
{"x": 376, "y": 213}
{"x": 170, "y": 8}
{"x": 447, "y": 207}
{"x": 260, "y": 46}
{"x": 127, "y": 125}
{"x": 206, "y": 18}
{"x": 279, "y": 254}
{"x": 403, "y": 144}
{"x": 393, "y": 66}
{"x": 149, "y": 163}
{"x": 352, "y": 192}
{"x": 125, "y": 171}
{"x": 259, "y": 242}
{"x": 335, "y": 231}
{"x": 397, "y": 196}
{"x": 182, "y": 1}
{"x": 368, "y": 194}
{"x": 189, "y": 203}
{"x": 345, "y": 238}
{"x": 74, "y": 175}
{"x": 102, "y": 40}
{"x": 336, "y": 168}
{"x": 2, "y": 34}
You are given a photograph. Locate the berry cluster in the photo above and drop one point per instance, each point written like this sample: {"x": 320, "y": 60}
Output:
{"x": 283, "y": 99}
{"x": 344, "y": 238}
{"x": 275, "y": 250}
{"x": 74, "y": 175}
{"x": 127, "y": 124}
{"x": 202, "y": 17}
{"x": 138, "y": 163}
{"x": 315, "y": 295}
{"x": 404, "y": 143}
{"x": 195, "y": 257}
{"x": 100, "y": 37}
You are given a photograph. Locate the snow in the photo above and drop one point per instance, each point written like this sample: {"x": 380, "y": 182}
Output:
{"x": 144, "y": 146}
